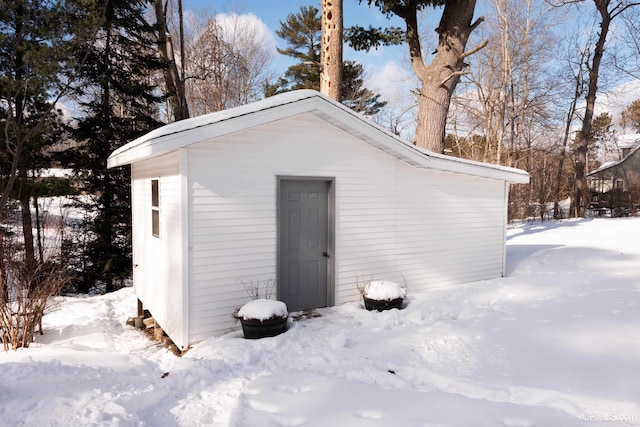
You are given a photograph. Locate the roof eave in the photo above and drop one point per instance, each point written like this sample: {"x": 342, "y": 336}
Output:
{"x": 162, "y": 142}
{"x": 385, "y": 140}
{"x": 145, "y": 148}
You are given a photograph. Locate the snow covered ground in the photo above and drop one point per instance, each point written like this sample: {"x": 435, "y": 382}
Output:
{"x": 556, "y": 343}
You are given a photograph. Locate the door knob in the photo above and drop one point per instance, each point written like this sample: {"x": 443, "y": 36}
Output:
{"x": 324, "y": 254}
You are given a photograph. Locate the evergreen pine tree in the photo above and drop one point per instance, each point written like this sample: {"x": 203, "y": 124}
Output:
{"x": 120, "y": 104}
{"x": 303, "y": 34}
{"x": 354, "y": 93}
{"x": 35, "y": 41}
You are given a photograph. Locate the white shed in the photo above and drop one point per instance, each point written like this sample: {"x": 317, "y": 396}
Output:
{"x": 299, "y": 189}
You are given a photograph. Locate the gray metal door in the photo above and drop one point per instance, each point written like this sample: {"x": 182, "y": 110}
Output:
{"x": 303, "y": 243}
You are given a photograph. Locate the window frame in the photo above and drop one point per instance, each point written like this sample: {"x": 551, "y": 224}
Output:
{"x": 155, "y": 207}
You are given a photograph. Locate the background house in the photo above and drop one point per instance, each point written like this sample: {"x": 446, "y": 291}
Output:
{"x": 299, "y": 189}
{"x": 615, "y": 186}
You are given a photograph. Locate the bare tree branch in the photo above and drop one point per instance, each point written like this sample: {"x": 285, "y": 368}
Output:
{"x": 453, "y": 75}
{"x": 475, "y": 49}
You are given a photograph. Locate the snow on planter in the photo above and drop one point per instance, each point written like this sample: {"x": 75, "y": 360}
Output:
{"x": 383, "y": 290}
{"x": 262, "y": 309}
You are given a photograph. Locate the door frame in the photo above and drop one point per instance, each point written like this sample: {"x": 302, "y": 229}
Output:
{"x": 331, "y": 203}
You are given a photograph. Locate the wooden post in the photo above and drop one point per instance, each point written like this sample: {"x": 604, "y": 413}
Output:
{"x": 158, "y": 333}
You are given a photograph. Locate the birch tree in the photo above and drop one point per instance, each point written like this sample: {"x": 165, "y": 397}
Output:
{"x": 511, "y": 80}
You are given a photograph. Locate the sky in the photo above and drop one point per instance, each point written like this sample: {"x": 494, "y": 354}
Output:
{"x": 271, "y": 12}
{"x": 386, "y": 69}
{"x": 381, "y": 66}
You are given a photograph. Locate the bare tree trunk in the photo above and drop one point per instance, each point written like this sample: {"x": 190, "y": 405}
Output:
{"x": 440, "y": 77}
{"x": 607, "y": 16}
{"x": 39, "y": 237}
{"x": 331, "y": 53}
{"x": 27, "y": 221}
{"x": 505, "y": 77}
{"x": 565, "y": 139}
{"x": 183, "y": 58}
{"x": 173, "y": 81}
{"x": 585, "y": 135}
{"x": 521, "y": 107}
{"x": 432, "y": 115}
{"x": 19, "y": 162}
{"x": 4, "y": 288}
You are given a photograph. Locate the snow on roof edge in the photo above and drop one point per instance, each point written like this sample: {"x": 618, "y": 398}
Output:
{"x": 424, "y": 152}
{"x": 300, "y": 95}
{"x": 629, "y": 140}
{"x": 218, "y": 116}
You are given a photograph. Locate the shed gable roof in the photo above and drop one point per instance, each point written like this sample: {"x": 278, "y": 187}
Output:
{"x": 181, "y": 134}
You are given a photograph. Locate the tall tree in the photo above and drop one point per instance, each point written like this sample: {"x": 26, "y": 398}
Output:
{"x": 35, "y": 73}
{"x": 354, "y": 93}
{"x": 629, "y": 65}
{"x": 173, "y": 79}
{"x": 576, "y": 70}
{"x": 607, "y": 10}
{"x": 602, "y": 143}
{"x": 119, "y": 103}
{"x": 438, "y": 78}
{"x": 331, "y": 54}
{"x": 510, "y": 78}
{"x": 227, "y": 64}
{"x": 302, "y": 32}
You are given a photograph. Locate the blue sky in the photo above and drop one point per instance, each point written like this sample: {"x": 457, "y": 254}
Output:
{"x": 383, "y": 69}
{"x": 271, "y": 12}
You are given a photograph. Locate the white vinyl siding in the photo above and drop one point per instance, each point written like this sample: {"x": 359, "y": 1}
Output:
{"x": 392, "y": 221}
{"x": 399, "y": 213}
{"x": 157, "y": 260}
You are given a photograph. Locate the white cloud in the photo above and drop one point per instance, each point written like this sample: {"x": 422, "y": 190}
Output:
{"x": 395, "y": 84}
{"x": 391, "y": 80}
{"x": 246, "y": 25}
{"x": 617, "y": 99}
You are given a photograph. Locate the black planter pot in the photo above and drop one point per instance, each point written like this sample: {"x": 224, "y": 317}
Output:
{"x": 375, "y": 304}
{"x": 254, "y": 329}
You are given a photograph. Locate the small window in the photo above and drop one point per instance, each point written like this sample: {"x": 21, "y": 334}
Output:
{"x": 155, "y": 208}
